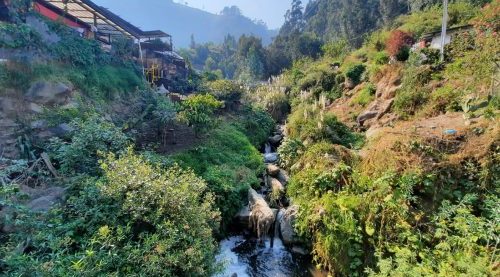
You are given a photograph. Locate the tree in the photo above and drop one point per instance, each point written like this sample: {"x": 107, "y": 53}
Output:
{"x": 231, "y": 11}
{"x": 389, "y": 9}
{"x": 294, "y": 19}
{"x": 398, "y": 44}
{"x": 192, "y": 45}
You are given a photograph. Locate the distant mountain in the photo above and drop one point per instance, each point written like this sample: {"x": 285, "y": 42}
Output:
{"x": 182, "y": 21}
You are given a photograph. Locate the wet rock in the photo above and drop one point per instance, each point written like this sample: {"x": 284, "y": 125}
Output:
{"x": 276, "y": 186}
{"x": 38, "y": 124}
{"x": 275, "y": 140}
{"x": 35, "y": 108}
{"x": 261, "y": 216}
{"x": 273, "y": 170}
{"x": 283, "y": 177}
{"x": 287, "y": 221}
{"x": 48, "y": 93}
{"x": 243, "y": 217}
{"x": 299, "y": 250}
{"x": 271, "y": 157}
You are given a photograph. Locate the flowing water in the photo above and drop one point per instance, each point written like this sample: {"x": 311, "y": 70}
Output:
{"x": 245, "y": 257}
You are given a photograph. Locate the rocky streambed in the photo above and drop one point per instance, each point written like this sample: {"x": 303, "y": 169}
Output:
{"x": 264, "y": 242}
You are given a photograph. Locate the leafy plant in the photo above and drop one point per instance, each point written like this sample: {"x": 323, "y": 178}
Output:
{"x": 137, "y": 219}
{"x": 90, "y": 137}
{"x": 354, "y": 72}
{"x": 198, "y": 110}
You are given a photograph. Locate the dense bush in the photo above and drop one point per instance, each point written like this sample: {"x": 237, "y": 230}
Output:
{"x": 271, "y": 99}
{"x": 398, "y": 44}
{"x": 229, "y": 163}
{"x": 289, "y": 151}
{"x": 354, "y": 72}
{"x": 89, "y": 138}
{"x": 256, "y": 124}
{"x": 309, "y": 123}
{"x": 226, "y": 90}
{"x": 198, "y": 110}
{"x": 19, "y": 36}
{"x": 137, "y": 220}
{"x": 413, "y": 93}
{"x": 381, "y": 58}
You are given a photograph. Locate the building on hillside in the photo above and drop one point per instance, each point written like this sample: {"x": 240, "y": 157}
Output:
{"x": 433, "y": 39}
{"x": 161, "y": 65}
{"x": 53, "y": 13}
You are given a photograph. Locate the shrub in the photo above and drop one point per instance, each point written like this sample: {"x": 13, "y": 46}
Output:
{"x": 309, "y": 123}
{"x": 289, "y": 152}
{"x": 366, "y": 95}
{"x": 137, "y": 220}
{"x": 78, "y": 51}
{"x": 198, "y": 110}
{"x": 336, "y": 49}
{"x": 355, "y": 72}
{"x": 272, "y": 99}
{"x": 89, "y": 138}
{"x": 446, "y": 99}
{"x": 225, "y": 90}
{"x": 413, "y": 93}
{"x": 381, "y": 58}
{"x": 256, "y": 124}
{"x": 230, "y": 164}
{"x": 19, "y": 36}
{"x": 398, "y": 44}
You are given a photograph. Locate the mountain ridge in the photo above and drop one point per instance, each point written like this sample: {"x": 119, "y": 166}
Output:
{"x": 182, "y": 21}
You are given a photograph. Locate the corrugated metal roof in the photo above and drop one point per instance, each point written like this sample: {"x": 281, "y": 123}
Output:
{"x": 105, "y": 21}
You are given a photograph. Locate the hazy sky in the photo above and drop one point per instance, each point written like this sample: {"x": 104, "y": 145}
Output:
{"x": 272, "y": 12}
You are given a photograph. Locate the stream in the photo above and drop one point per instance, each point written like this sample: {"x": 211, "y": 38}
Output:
{"x": 243, "y": 256}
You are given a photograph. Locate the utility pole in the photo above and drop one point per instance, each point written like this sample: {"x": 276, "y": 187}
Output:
{"x": 443, "y": 30}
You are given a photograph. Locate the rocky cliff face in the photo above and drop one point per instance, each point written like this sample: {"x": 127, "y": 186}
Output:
{"x": 20, "y": 111}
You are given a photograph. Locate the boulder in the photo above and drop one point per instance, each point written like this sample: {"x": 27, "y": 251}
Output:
{"x": 49, "y": 93}
{"x": 35, "y": 108}
{"x": 287, "y": 220}
{"x": 275, "y": 140}
{"x": 277, "y": 187}
{"x": 271, "y": 157}
{"x": 299, "y": 250}
{"x": 261, "y": 216}
{"x": 45, "y": 199}
{"x": 374, "y": 112}
{"x": 62, "y": 130}
{"x": 283, "y": 177}
{"x": 366, "y": 115}
{"x": 273, "y": 170}
{"x": 243, "y": 217}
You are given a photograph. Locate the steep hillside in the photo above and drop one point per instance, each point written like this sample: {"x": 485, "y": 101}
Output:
{"x": 393, "y": 154}
{"x": 182, "y": 21}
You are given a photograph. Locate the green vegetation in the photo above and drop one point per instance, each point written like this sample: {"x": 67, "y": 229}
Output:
{"x": 409, "y": 206}
{"x": 229, "y": 163}
{"x": 413, "y": 201}
{"x": 159, "y": 225}
{"x": 366, "y": 95}
{"x": 197, "y": 111}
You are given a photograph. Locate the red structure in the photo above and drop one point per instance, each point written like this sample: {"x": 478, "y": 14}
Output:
{"x": 55, "y": 14}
